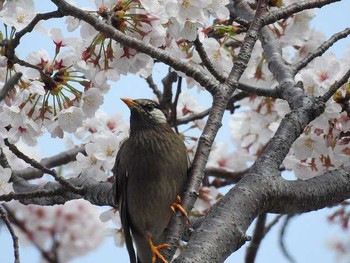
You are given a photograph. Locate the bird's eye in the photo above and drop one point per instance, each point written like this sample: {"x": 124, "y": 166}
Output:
{"x": 149, "y": 106}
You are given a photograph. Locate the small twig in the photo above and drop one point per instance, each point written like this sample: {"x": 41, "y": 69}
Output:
{"x": 286, "y": 12}
{"x": 167, "y": 82}
{"x": 7, "y": 222}
{"x": 272, "y": 223}
{"x": 230, "y": 107}
{"x": 9, "y": 85}
{"x": 12, "y": 44}
{"x": 193, "y": 117}
{"x": 35, "y": 164}
{"x": 333, "y": 89}
{"x": 174, "y": 105}
{"x": 206, "y": 61}
{"x": 258, "y": 235}
{"x": 320, "y": 50}
{"x": 222, "y": 173}
{"x": 27, "y": 64}
{"x": 281, "y": 239}
{"x": 154, "y": 87}
{"x": 50, "y": 162}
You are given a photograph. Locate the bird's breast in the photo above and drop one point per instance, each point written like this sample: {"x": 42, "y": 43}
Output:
{"x": 157, "y": 173}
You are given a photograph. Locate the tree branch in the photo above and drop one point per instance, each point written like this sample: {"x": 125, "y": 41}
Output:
{"x": 281, "y": 239}
{"x": 272, "y": 223}
{"x": 206, "y": 61}
{"x": 333, "y": 89}
{"x": 37, "y": 165}
{"x": 50, "y": 162}
{"x": 193, "y": 117}
{"x": 234, "y": 177}
{"x": 12, "y": 44}
{"x": 154, "y": 87}
{"x": 320, "y": 50}
{"x": 173, "y": 119}
{"x": 283, "y": 13}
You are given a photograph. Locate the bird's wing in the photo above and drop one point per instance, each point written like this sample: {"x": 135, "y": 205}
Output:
{"x": 121, "y": 179}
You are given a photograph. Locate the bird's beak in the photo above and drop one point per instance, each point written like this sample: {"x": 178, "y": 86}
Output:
{"x": 131, "y": 103}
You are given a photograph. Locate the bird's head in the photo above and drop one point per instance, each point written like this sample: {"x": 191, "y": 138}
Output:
{"x": 144, "y": 114}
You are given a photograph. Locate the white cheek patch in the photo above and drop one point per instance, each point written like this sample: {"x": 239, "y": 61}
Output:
{"x": 158, "y": 115}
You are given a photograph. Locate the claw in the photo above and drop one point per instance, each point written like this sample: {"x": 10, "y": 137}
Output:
{"x": 177, "y": 205}
{"x": 155, "y": 251}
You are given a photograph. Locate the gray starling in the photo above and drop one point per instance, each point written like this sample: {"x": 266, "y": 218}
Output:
{"x": 151, "y": 171}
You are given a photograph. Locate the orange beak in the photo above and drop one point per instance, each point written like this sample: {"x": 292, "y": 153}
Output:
{"x": 131, "y": 103}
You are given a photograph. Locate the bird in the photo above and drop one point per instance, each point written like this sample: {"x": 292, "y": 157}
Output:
{"x": 151, "y": 171}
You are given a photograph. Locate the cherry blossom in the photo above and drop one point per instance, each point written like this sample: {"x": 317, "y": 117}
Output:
{"x": 92, "y": 100}
{"x": 70, "y": 119}
{"x": 18, "y": 14}
{"x": 207, "y": 197}
{"x": 218, "y": 55}
{"x": 116, "y": 231}
{"x": 311, "y": 145}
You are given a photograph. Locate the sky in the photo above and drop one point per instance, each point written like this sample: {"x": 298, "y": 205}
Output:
{"x": 307, "y": 235}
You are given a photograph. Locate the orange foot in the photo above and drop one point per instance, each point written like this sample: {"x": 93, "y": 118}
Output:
{"x": 155, "y": 251}
{"x": 177, "y": 205}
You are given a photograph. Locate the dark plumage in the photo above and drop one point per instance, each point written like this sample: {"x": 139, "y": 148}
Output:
{"x": 151, "y": 171}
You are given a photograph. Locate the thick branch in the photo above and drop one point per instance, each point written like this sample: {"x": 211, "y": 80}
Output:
{"x": 313, "y": 194}
{"x": 228, "y": 220}
{"x": 205, "y": 252}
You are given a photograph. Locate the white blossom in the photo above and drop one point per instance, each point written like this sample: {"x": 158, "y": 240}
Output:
{"x": 18, "y": 14}
{"x": 70, "y": 119}
{"x": 92, "y": 100}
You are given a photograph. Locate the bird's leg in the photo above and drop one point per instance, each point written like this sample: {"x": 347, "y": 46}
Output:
{"x": 177, "y": 205}
{"x": 155, "y": 251}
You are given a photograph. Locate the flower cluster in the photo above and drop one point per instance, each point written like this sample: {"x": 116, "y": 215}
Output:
{"x": 102, "y": 136}
{"x": 64, "y": 231}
